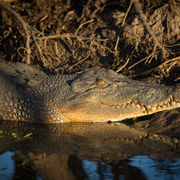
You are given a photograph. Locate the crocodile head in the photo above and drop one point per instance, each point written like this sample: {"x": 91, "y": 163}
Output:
{"x": 95, "y": 95}
{"x": 99, "y": 95}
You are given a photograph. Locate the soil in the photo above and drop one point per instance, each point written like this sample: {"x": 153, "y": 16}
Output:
{"x": 140, "y": 39}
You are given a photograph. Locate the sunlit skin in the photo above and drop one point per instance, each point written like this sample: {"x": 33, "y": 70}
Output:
{"x": 96, "y": 95}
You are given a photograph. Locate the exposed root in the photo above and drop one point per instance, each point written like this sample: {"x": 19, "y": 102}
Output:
{"x": 159, "y": 67}
{"x": 100, "y": 35}
{"x": 76, "y": 33}
{"x": 79, "y": 61}
{"x": 25, "y": 28}
{"x": 148, "y": 28}
{"x": 127, "y": 59}
{"x": 41, "y": 40}
{"x": 117, "y": 41}
{"x": 45, "y": 62}
{"x": 146, "y": 58}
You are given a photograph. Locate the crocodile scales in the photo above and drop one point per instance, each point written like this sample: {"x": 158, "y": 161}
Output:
{"x": 95, "y": 95}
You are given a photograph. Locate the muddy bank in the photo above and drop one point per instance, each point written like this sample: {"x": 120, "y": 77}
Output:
{"x": 138, "y": 39}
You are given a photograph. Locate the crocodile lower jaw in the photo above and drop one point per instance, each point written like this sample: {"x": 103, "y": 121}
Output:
{"x": 92, "y": 111}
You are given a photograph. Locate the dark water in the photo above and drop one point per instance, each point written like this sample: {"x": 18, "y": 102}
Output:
{"x": 84, "y": 151}
{"x": 137, "y": 167}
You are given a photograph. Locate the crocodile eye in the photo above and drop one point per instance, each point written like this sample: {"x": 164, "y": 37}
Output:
{"x": 100, "y": 82}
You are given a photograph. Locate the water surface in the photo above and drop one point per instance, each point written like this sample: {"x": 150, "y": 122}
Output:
{"x": 84, "y": 151}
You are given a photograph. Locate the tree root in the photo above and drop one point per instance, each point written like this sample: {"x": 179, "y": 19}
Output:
{"x": 57, "y": 50}
{"x": 40, "y": 40}
{"x": 117, "y": 41}
{"x": 148, "y": 28}
{"x": 25, "y": 28}
{"x": 177, "y": 59}
{"x": 142, "y": 17}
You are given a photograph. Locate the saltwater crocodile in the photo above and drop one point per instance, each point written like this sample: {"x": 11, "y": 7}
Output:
{"x": 94, "y": 95}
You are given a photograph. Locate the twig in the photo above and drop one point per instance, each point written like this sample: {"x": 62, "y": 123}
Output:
{"x": 91, "y": 40}
{"x": 56, "y": 48}
{"x": 127, "y": 59}
{"x": 79, "y": 62}
{"x": 170, "y": 60}
{"x": 18, "y": 50}
{"x": 177, "y": 79}
{"x": 69, "y": 35}
{"x": 25, "y": 27}
{"x": 82, "y": 25}
{"x": 158, "y": 67}
{"x": 170, "y": 67}
{"x": 84, "y": 10}
{"x": 117, "y": 41}
{"x": 123, "y": 65}
{"x": 72, "y": 51}
{"x": 146, "y": 58}
{"x": 175, "y": 91}
{"x": 148, "y": 28}
{"x": 37, "y": 31}
{"x": 40, "y": 52}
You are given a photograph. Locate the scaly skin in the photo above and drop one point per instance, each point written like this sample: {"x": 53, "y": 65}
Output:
{"x": 94, "y": 95}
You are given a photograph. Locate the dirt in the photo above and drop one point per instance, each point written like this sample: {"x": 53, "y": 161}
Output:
{"x": 69, "y": 36}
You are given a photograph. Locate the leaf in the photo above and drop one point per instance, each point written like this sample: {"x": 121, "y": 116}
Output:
{"x": 27, "y": 136}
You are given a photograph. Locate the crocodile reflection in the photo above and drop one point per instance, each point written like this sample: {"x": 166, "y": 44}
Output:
{"x": 96, "y": 142}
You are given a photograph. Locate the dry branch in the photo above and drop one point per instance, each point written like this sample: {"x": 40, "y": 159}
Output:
{"x": 25, "y": 28}
{"x": 127, "y": 61}
{"x": 146, "y": 58}
{"x": 81, "y": 25}
{"x": 70, "y": 35}
{"x": 117, "y": 41}
{"x": 148, "y": 28}
{"x": 158, "y": 67}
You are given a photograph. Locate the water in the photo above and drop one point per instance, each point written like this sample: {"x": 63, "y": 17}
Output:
{"x": 7, "y": 166}
{"x": 84, "y": 152}
{"x": 144, "y": 167}
{"x": 157, "y": 169}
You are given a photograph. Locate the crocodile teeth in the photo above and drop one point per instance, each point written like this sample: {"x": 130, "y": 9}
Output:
{"x": 138, "y": 106}
{"x": 133, "y": 105}
{"x": 173, "y": 103}
{"x": 148, "y": 110}
{"x": 164, "y": 106}
{"x": 153, "y": 109}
